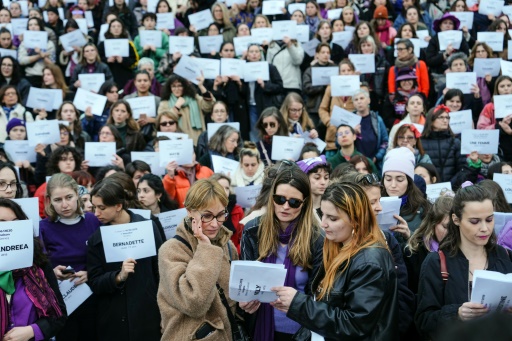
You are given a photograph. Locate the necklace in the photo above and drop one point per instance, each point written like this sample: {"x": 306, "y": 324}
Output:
{"x": 485, "y": 267}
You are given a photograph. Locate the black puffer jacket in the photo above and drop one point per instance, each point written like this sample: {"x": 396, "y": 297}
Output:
{"x": 362, "y": 305}
{"x": 444, "y": 150}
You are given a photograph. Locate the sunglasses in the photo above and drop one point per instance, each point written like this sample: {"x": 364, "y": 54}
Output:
{"x": 370, "y": 179}
{"x": 167, "y": 123}
{"x": 272, "y": 125}
{"x": 281, "y": 200}
{"x": 272, "y": 173}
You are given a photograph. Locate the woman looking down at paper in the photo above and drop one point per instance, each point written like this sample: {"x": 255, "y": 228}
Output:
{"x": 126, "y": 291}
{"x": 294, "y": 112}
{"x": 469, "y": 245}
{"x": 31, "y": 305}
{"x": 251, "y": 169}
{"x": 223, "y": 143}
{"x": 286, "y": 234}
{"x": 192, "y": 264}
{"x": 356, "y": 263}
{"x": 271, "y": 123}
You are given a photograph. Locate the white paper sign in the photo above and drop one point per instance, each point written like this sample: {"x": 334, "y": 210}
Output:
{"x": 224, "y": 165}
{"x": 286, "y": 148}
{"x": 73, "y": 295}
{"x": 170, "y": 221}
{"x": 506, "y": 67}
{"x": 100, "y": 154}
{"x": 261, "y": 35}
{"x": 242, "y": 44}
{"x": 176, "y": 150}
{"x": 422, "y": 34}
{"x": 434, "y": 190}
{"x": 321, "y": 76}
{"x": 208, "y": 44}
{"x": 493, "y": 39}
{"x": 133, "y": 240}
{"x": 89, "y": 19}
{"x": 319, "y": 143}
{"x": 20, "y": 151}
{"x": 210, "y": 67}
{"x": 82, "y": 25}
{"x": 232, "y": 67}
{"x": 246, "y": 195}
{"x": 201, "y": 20}
{"x": 310, "y": 47}
{"x": 465, "y": 18}
{"x": 493, "y": 7}
{"x": 302, "y": 33}
{"x": 188, "y": 68}
{"x": 461, "y": 120}
{"x": 492, "y": 289}
{"x": 173, "y": 136}
{"x": 482, "y": 141}
{"x": 364, "y": 63}
{"x": 103, "y": 30}
{"x": 44, "y": 132}
{"x": 72, "y": 39}
{"x": 165, "y": 20}
{"x": 283, "y": 28}
{"x": 449, "y": 37}
{"x": 297, "y": 7}
{"x": 84, "y": 99}
{"x": 6, "y": 52}
{"x": 256, "y": 70}
{"x": 152, "y": 159}
{"x": 273, "y": 7}
{"x": 487, "y": 66}
{"x": 502, "y": 105}
{"x": 146, "y": 214}
{"x": 151, "y": 37}
{"x": 505, "y": 181}
{"x": 334, "y": 14}
{"x": 30, "y": 207}
{"x": 463, "y": 81}
{"x": 117, "y": 47}
{"x": 213, "y": 127}
{"x": 41, "y": 98}
{"x": 345, "y": 85}
{"x": 35, "y": 39}
{"x": 342, "y": 116}
{"x": 252, "y": 280}
{"x": 19, "y": 25}
{"x": 390, "y": 208}
{"x": 16, "y": 245}
{"x": 142, "y": 105}
{"x": 91, "y": 81}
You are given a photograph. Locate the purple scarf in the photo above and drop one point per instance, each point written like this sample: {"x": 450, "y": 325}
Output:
{"x": 265, "y": 327}
{"x": 484, "y": 90}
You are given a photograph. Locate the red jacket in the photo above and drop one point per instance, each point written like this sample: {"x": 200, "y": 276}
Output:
{"x": 421, "y": 74}
{"x": 178, "y": 186}
{"x": 236, "y": 215}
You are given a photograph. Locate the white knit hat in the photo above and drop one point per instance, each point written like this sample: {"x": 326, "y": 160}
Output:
{"x": 399, "y": 160}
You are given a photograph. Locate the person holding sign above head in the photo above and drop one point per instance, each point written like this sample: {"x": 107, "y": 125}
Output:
{"x": 185, "y": 280}
{"x": 221, "y": 16}
{"x": 31, "y": 305}
{"x": 92, "y": 123}
{"x": 54, "y": 79}
{"x": 219, "y": 115}
{"x": 223, "y": 143}
{"x": 10, "y": 186}
{"x": 68, "y": 60}
{"x": 251, "y": 169}
{"x": 286, "y": 234}
{"x": 324, "y": 35}
{"x": 10, "y": 74}
{"x": 152, "y": 195}
{"x": 90, "y": 63}
{"x": 469, "y": 245}
{"x": 11, "y": 108}
{"x": 17, "y": 131}
{"x": 64, "y": 234}
{"x": 271, "y": 123}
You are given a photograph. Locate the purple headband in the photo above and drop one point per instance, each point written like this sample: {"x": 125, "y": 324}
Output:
{"x": 308, "y": 164}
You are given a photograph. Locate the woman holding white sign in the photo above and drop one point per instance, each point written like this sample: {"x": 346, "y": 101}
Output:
{"x": 90, "y": 63}
{"x": 10, "y": 108}
{"x": 69, "y": 113}
{"x": 223, "y": 143}
{"x": 10, "y": 74}
{"x": 125, "y": 312}
{"x": 31, "y": 305}
{"x": 121, "y": 117}
{"x": 271, "y": 123}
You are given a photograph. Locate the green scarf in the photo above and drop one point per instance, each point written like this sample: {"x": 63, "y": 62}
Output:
{"x": 195, "y": 113}
{"x": 7, "y": 282}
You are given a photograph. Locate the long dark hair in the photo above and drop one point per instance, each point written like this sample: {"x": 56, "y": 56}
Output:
{"x": 19, "y": 189}
{"x": 124, "y": 33}
{"x": 432, "y": 115}
{"x": 52, "y": 167}
{"x": 16, "y": 71}
{"x": 499, "y": 201}
{"x": 415, "y": 199}
{"x": 188, "y": 90}
{"x": 156, "y": 184}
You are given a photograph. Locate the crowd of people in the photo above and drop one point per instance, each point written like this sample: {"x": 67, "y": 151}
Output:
{"x": 396, "y": 133}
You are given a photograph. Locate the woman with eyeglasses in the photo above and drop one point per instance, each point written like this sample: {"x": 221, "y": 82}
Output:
{"x": 10, "y": 74}
{"x": 188, "y": 297}
{"x": 10, "y": 187}
{"x": 441, "y": 145}
{"x": 409, "y": 136}
{"x": 223, "y": 143}
{"x": 286, "y": 234}
{"x": 90, "y": 63}
{"x": 294, "y": 112}
{"x": 219, "y": 114}
{"x": 92, "y": 123}
{"x": 167, "y": 122}
{"x": 415, "y": 110}
{"x": 271, "y": 123}
{"x": 11, "y": 108}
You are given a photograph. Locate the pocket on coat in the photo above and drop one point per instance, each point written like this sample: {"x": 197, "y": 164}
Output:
{"x": 218, "y": 329}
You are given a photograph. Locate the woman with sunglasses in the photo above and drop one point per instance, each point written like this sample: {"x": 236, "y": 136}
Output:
{"x": 188, "y": 297}
{"x": 271, "y": 123}
{"x": 286, "y": 234}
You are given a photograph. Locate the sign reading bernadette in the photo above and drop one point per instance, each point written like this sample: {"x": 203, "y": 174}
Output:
{"x": 133, "y": 240}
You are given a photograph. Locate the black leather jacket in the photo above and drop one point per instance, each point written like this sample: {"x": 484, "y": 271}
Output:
{"x": 363, "y": 304}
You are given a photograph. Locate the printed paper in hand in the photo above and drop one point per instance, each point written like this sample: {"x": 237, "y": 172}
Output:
{"x": 213, "y": 127}
{"x": 449, "y": 37}
{"x": 334, "y": 14}
{"x": 286, "y": 148}
{"x": 297, "y": 7}
{"x": 493, "y": 289}
{"x": 505, "y": 181}
{"x": 44, "y": 132}
{"x": 493, "y": 39}
{"x": 364, "y": 63}
{"x": 103, "y": 30}
{"x": 252, "y": 280}
{"x": 133, "y": 240}
{"x": 465, "y": 18}
{"x": 342, "y": 116}
{"x": 150, "y": 37}
{"x": 461, "y": 120}
{"x": 41, "y": 99}
{"x": 170, "y": 221}
{"x": 224, "y": 165}
{"x": 232, "y": 67}
{"x": 176, "y": 150}
{"x": 184, "y": 45}
{"x": 246, "y": 196}
{"x": 273, "y": 7}
{"x": 16, "y": 244}
{"x": 91, "y": 81}
{"x": 463, "y": 81}
{"x": 84, "y": 99}
{"x": 82, "y": 25}
{"x": 344, "y": 85}
{"x": 342, "y": 38}
{"x": 321, "y": 76}
{"x": 35, "y": 39}
{"x": 188, "y": 68}
{"x": 242, "y": 44}
{"x": 19, "y": 151}
{"x": 487, "y": 66}
{"x": 165, "y": 20}
{"x": 209, "y": 44}
{"x": 152, "y": 159}
{"x": 99, "y": 154}
{"x": 283, "y": 28}
{"x": 73, "y": 295}
{"x": 390, "y": 207}
{"x": 201, "y": 20}
{"x": 502, "y": 105}
{"x": 261, "y": 35}
{"x": 210, "y": 67}
{"x": 117, "y": 47}
{"x": 319, "y": 143}
{"x": 72, "y": 39}
{"x": 302, "y": 33}
{"x": 434, "y": 190}
{"x": 143, "y": 105}
{"x": 501, "y": 219}
{"x": 30, "y": 206}
{"x": 256, "y": 70}
{"x": 493, "y": 7}
{"x": 422, "y": 34}
{"x": 482, "y": 141}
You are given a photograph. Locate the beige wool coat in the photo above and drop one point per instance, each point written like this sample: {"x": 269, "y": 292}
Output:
{"x": 187, "y": 295}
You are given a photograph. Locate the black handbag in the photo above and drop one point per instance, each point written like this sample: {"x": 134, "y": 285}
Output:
{"x": 238, "y": 330}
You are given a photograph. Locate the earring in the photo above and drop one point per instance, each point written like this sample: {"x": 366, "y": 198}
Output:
{"x": 353, "y": 230}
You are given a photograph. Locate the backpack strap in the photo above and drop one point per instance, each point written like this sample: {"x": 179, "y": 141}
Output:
{"x": 444, "y": 269}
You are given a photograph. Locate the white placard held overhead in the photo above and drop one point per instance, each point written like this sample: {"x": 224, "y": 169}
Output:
{"x": 232, "y": 67}
{"x": 82, "y": 25}
{"x": 142, "y": 105}
{"x": 345, "y": 85}
{"x": 165, "y": 20}
{"x": 89, "y": 19}
{"x": 184, "y": 45}
{"x": 283, "y": 28}
{"x": 465, "y": 18}
{"x": 461, "y": 120}
{"x": 176, "y": 150}
{"x": 273, "y": 7}
{"x": 170, "y": 221}
{"x": 150, "y": 37}
{"x": 19, "y": 25}
{"x": 201, "y": 20}
{"x": 342, "y": 38}
{"x": 390, "y": 208}
{"x": 242, "y": 44}
{"x": 7, "y": 52}
{"x": 152, "y": 159}
{"x": 297, "y": 7}
{"x": 103, "y": 30}
{"x": 213, "y": 127}
{"x": 16, "y": 245}
{"x": 43, "y": 132}
{"x": 493, "y": 7}
{"x": 40, "y": 99}
{"x": 286, "y": 148}
{"x": 209, "y": 44}
{"x": 19, "y": 151}
{"x": 422, "y": 34}
{"x": 342, "y": 116}
{"x": 451, "y": 37}
{"x": 482, "y": 141}
{"x": 505, "y": 182}
{"x": 209, "y": 66}
{"x": 100, "y": 154}
{"x": 261, "y": 35}
{"x": 73, "y": 295}
{"x": 117, "y": 47}
{"x": 133, "y": 240}
{"x": 224, "y": 165}
{"x": 434, "y": 190}
{"x": 246, "y": 196}
{"x": 493, "y": 39}
{"x": 321, "y": 76}
{"x": 30, "y": 207}
{"x": 487, "y": 66}
{"x": 72, "y": 39}
{"x": 84, "y": 99}
{"x": 302, "y": 33}
{"x": 334, "y": 14}
{"x": 91, "y": 81}
{"x": 463, "y": 81}
{"x": 502, "y": 105}
{"x": 252, "y": 280}
{"x": 364, "y": 63}
{"x": 188, "y": 68}
{"x": 256, "y": 70}
{"x": 35, "y": 39}
{"x": 506, "y": 67}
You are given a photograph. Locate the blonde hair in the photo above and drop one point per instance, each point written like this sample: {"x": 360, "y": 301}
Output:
{"x": 60, "y": 180}
{"x": 225, "y": 14}
{"x": 203, "y": 193}
{"x": 305, "y": 121}
{"x": 250, "y": 150}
